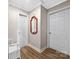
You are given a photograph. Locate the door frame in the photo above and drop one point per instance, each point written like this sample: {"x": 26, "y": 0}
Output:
{"x": 18, "y": 38}
{"x": 48, "y": 21}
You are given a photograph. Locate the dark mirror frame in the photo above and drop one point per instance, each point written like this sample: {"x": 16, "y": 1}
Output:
{"x": 36, "y": 25}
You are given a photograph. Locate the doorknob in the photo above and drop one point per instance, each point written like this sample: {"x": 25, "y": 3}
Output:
{"x": 19, "y": 32}
{"x": 49, "y": 33}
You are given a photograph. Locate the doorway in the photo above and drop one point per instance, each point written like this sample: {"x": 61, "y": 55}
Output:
{"x": 58, "y": 32}
{"x": 23, "y": 30}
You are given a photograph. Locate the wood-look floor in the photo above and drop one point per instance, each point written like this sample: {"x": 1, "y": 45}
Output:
{"x": 29, "y": 53}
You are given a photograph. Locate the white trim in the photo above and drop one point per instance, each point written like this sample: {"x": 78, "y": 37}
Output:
{"x": 65, "y": 52}
{"x": 58, "y": 10}
{"x": 48, "y": 27}
{"x": 42, "y": 49}
{"x": 37, "y": 49}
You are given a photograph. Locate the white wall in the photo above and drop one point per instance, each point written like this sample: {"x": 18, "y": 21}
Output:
{"x": 13, "y": 17}
{"x": 12, "y": 24}
{"x": 43, "y": 27}
{"x": 39, "y": 40}
{"x": 34, "y": 39}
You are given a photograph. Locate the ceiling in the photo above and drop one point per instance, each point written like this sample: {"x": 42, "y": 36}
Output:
{"x": 29, "y": 5}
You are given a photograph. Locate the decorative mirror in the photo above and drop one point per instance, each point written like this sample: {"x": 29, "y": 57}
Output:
{"x": 34, "y": 25}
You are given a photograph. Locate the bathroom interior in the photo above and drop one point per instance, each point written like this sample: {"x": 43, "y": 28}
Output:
{"x": 39, "y": 24}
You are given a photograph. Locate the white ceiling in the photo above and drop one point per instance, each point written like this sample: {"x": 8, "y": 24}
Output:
{"x": 29, "y": 5}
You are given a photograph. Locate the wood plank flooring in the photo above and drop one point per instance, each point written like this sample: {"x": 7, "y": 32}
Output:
{"x": 29, "y": 53}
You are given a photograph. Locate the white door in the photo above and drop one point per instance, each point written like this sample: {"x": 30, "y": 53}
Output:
{"x": 59, "y": 30}
{"x": 23, "y": 30}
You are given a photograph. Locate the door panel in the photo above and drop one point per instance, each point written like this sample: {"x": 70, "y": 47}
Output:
{"x": 59, "y": 28}
{"x": 23, "y": 31}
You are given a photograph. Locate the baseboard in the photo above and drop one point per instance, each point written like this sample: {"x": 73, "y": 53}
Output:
{"x": 42, "y": 49}
{"x": 61, "y": 51}
{"x": 65, "y": 52}
{"x": 37, "y": 49}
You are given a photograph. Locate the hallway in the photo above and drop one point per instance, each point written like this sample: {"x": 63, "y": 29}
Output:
{"x": 38, "y": 29}
{"x": 29, "y": 53}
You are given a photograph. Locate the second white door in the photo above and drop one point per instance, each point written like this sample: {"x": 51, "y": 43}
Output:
{"x": 59, "y": 30}
{"x": 23, "y": 31}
